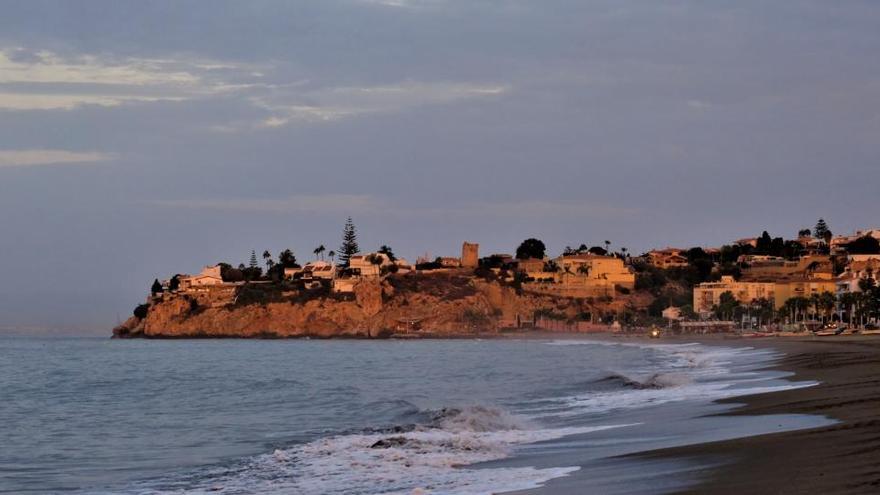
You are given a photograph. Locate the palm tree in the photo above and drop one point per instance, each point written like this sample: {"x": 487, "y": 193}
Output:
{"x": 267, "y": 258}
{"x": 319, "y": 251}
{"x": 814, "y": 301}
{"x": 828, "y": 301}
{"x": 331, "y": 254}
{"x": 847, "y": 305}
{"x": 607, "y": 246}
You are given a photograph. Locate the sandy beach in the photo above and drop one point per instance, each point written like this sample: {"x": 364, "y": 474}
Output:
{"x": 842, "y": 458}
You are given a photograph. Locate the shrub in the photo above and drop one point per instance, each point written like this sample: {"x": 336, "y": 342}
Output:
{"x": 141, "y": 311}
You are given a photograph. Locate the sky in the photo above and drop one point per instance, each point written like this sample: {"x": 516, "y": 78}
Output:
{"x": 143, "y": 139}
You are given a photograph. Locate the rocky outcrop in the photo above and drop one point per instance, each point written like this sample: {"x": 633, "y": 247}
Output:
{"x": 424, "y": 304}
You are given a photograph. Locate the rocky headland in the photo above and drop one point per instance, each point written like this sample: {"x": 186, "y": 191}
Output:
{"x": 411, "y": 305}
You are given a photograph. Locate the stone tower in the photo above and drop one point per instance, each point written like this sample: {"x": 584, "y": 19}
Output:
{"x": 470, "y": 255}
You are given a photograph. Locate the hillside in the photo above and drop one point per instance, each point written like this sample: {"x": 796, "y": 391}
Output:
{"x": 438, "y": 304}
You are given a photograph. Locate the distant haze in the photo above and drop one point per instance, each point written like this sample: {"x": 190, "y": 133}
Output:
{"x": 140, "y": 139}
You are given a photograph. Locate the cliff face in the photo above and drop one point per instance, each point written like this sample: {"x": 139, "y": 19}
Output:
{"x": 434, "y": 306}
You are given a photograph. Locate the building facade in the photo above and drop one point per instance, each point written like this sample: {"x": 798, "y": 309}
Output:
{"x": 470, "y": 255}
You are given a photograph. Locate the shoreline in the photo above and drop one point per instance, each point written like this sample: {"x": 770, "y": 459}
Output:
{"x": 841, "y": 458}
{"x": 834, "y": 458}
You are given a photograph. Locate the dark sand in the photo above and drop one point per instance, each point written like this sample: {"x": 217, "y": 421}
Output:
{"x": 843, "y": 458}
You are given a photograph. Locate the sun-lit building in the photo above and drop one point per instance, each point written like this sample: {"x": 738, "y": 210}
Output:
{"x": 667, "y": 258}
{"x": 708, "y": 294}
{"x": 209, "y": 276}
{"x": 368, "y": 265}
{"x": 591, "y": 267}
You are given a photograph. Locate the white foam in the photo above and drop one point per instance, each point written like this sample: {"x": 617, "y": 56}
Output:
{"x": 425, "y": 460}
{"x": 690, "y": 372}
{"x": 435, "y": 458}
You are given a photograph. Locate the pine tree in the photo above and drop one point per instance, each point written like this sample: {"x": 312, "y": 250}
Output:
{"x": 253, "y": 262}
{"x": 821, "y": 229}
{"x": 349, "y": 245}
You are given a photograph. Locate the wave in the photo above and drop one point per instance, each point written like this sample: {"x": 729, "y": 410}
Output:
{"x": 682, "y": 372}
{"x": 422, "y": 458}
{"x": 653, "y": 381}
{"x": 435, "y": 450}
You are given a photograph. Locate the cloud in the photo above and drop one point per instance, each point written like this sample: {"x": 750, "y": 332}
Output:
{"x": 45, "y": 80}
{"x": 27, "y": 158}
{"x": 304, "y": 203}
{"x": 294, "y": 104}
{"x": 24, "y": 101}
{"x": 399, "y": 3}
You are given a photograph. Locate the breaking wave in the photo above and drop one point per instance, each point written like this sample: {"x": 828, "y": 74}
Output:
{"x": 436, "y": 450}
{"x": 418, "y": 458}
{"x": 653, "y": 381}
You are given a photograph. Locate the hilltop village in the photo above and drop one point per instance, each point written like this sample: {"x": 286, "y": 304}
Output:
{"x": 813, "y": 282}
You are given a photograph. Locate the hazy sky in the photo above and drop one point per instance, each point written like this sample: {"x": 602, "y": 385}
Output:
{"x": 140, "y": 139}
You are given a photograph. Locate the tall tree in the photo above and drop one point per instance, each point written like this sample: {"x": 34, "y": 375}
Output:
{"x": 349, "y": 245}
{"x": 726, "y": 307}
{"x": 253, "y": 261}
{"x": 287, "y": 259}
{"x": 319, "y": 251}
{"x": 331, "y": 254}
{"x": 531, "y": 248}
{"x": 827, "y": 301}
{"x": 815, "y": 302}
{"x": 267, "y": 258}
{"x": 763, "y": 243}
{"x": 821, "y": 229}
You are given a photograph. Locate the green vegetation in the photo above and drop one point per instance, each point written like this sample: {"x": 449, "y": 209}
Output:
{"x": 864, "y": 245}
{"x": 319, "y": 252}
{"x": 727, "y": 306}
{"x": 386, "y": 250}
{"x": 821, "y": 230}
{"x": 267, "y": 258}
{"x": 349, "y": 245}
{"x": 531, "y": 248}
{"x": 141, "y": 311}
{"x": 287, "y": 259}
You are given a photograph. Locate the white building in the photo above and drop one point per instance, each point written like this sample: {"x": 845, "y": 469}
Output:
{"x": 368, "y": 265}
{"x": 210, "y": 275}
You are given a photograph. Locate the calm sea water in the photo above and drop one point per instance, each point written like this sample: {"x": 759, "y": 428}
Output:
{"x": 355, "y": 417}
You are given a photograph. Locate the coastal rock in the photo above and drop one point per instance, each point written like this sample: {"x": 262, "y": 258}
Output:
{"x": 132, "y": 327}
{"x": 368, "y": 295}
{"x": 435, "y": 305}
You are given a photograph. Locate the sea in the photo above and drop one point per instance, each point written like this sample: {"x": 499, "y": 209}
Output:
{"x": 358, "y": 417}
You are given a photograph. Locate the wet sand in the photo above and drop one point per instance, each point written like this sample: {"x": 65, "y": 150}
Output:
{"x": 842, "y": 458}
